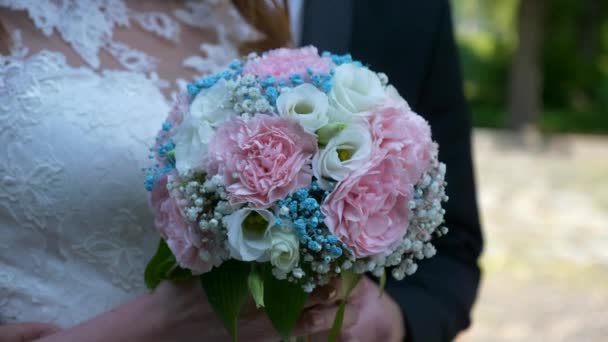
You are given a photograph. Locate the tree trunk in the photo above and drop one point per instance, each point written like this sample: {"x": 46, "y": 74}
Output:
{"x": 525, "y": 88}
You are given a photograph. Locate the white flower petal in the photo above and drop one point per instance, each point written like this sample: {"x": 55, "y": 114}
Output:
{"x": 248, "y": 246}
{"x": 355, "y": 91}
{"x": 356, "y": 138}
{"x": 306, "y": 104}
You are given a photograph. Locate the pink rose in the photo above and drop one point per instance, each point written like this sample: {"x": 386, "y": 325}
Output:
{"x": 182, "y": 238}
{"x": 282, "y": 63}
{"x": 403, "y": 134}
{"x": 368, "y": 210}
{"x": 262, "y": 159}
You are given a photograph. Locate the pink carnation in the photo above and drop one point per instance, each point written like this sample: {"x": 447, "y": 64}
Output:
{"x": 181, "y": 237}
{"x": 368, "y": 210}
{"x": 282, "y": 63}
{"x": 404, "y": 134}
{"x": 262, "y": 159}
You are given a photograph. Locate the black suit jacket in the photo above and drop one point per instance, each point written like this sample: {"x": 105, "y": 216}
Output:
{"x": 412, "y": 42}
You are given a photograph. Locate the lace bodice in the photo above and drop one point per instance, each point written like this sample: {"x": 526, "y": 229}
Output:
{"x": 76, "y": 230}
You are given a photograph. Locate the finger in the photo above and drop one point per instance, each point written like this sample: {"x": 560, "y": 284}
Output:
{"x": 27, "y": 331}
{"x": 257, "y": 324}
{"x": 348, "y": 336}
{"x": 322, "y": 296}
{"x": 360, "y": 290}
{"x": 321, "y": 319}
{"x": 325, "y": 295}
{"x": 324, "y": 336}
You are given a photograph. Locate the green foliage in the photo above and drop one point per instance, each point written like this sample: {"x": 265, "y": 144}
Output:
{"x": 575, "y": 84}
{"x": 485, "y": 73}
{"x": 227, "y": 289}
{"x": 163, "y": 266}
{"x": 283, "y": 302}
{"x": 256, "y": 285}
{"x": 382, "y": 283}
{"x": 349, "y": 281}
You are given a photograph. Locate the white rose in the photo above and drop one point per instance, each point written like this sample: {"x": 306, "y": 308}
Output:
{"x": 348, "y": 150}
{"x": 354, "y": 91}
{"x": 306, "y": 104}
{"x": 191, "y": 141}
{"x": 208, "y": 111}
{"x": 284, "y": 253}
{"x": 393, "y": 94}
{"x": 213, "y": 105}
{"x": 249, "y": 236}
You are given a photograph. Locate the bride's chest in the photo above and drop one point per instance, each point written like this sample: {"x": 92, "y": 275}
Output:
{"x": 74, "y": 144}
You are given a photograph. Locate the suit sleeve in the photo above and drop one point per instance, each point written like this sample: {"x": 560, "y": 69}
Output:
{"x": 436, "y": 301}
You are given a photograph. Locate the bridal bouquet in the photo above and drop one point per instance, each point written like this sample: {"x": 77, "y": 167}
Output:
{"x": 286, "y": 170}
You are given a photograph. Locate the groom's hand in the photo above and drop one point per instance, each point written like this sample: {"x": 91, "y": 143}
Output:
{"x": 25, "y": 332}
{"x": 380, "y": 317}
{"x": 368, "y": 316}
{"x": 320, "y": 311}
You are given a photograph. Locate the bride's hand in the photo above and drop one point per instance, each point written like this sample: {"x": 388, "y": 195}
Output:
{"x": 25, "y": 332}
{"x": 187, "y": 316}
{"x": 184, "y": 313}
{"x": 180, "y": 312}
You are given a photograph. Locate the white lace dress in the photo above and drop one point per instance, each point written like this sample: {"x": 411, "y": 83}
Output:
{"x": 75, "y": 230}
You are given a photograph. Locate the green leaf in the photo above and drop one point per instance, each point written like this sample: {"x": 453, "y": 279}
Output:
{"x": 329, "y": 131}
{"x": 349, "y": 281}
{"x": 163, "y": 266}
{"x": 179, "y": 274}
{"x": 283, "y": 301}
{"x": 256, "y": 286}
{"x": 382, "y": 283}
{"x": 226, "y": 288}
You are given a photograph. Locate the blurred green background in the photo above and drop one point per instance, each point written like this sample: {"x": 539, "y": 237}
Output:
{"x": 571, "y": 63}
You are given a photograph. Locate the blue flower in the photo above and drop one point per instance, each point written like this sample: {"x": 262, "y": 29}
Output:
{"x": 296, "y": 79}
{"x": 299, "y": 224}
{"x": 315, "y": 246}
{"x": 310, "y": 204}
{"x": 312, "y": 222}
{"x": 272, "y": 94}
{"x": 208, "y": 82}
{"x": 335, "y": 251}
{"x": 268, "y": 82}
{"x": 163, "y": 149}
{"x": 192, "y": 89}
{"x": 236, "y": 64}
{"x": 227, "y": 74}
{"x": 150, "y": 181}
{"x": 326, "y": 86}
